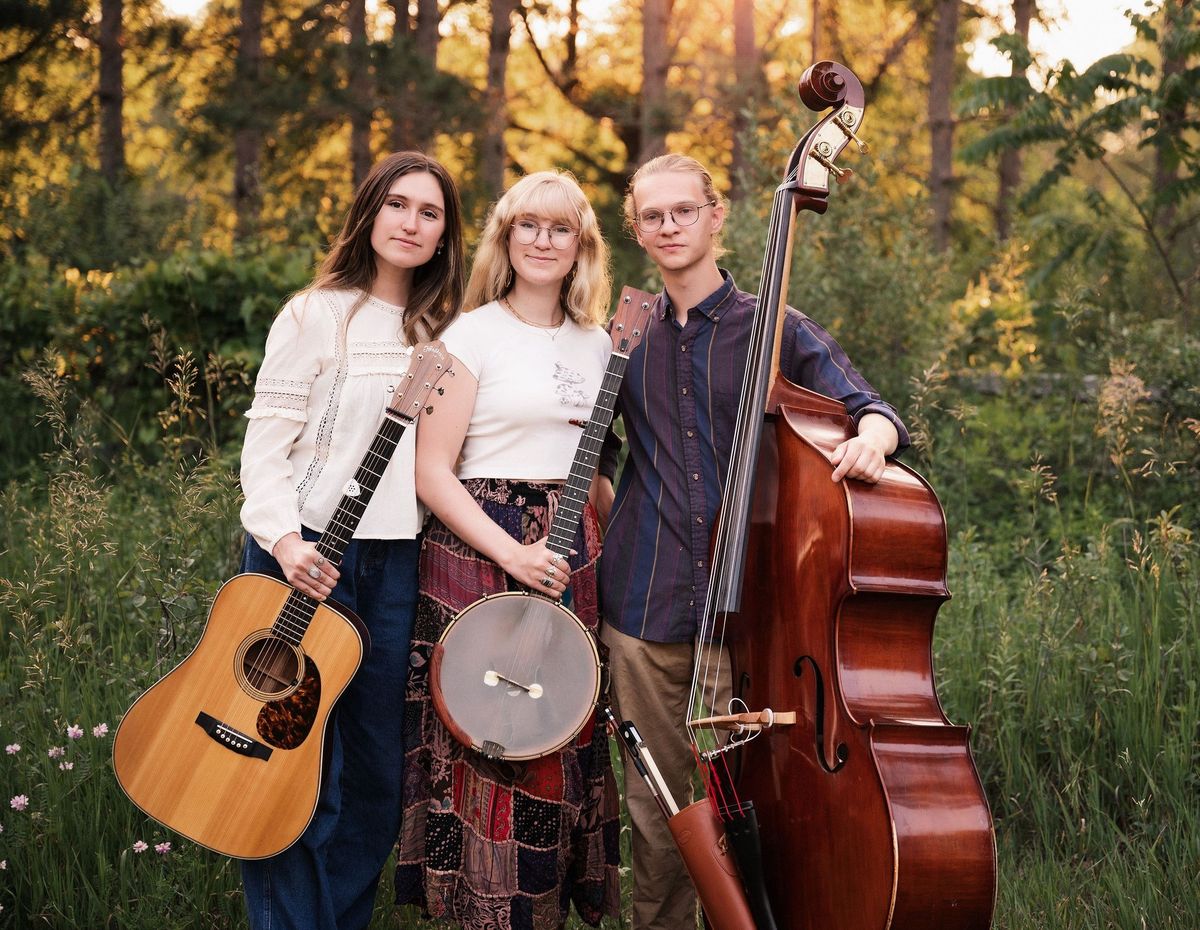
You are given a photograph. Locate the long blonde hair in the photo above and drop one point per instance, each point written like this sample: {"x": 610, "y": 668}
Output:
{"x": 437, "y": 285}
{"x": 557, "y": 196}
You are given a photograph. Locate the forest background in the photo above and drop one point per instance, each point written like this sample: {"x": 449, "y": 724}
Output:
{"x": 1016, "y": 268}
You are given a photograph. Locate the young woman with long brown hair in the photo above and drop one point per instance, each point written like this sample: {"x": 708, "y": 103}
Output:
{"x": 393, "y": 278}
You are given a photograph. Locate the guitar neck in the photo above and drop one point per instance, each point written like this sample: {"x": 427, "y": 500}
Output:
{"x": 587, "y": 459}
{"x": 298, "y": 611}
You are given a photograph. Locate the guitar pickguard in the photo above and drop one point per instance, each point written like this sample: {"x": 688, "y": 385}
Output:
{"x": 286, "y": 723}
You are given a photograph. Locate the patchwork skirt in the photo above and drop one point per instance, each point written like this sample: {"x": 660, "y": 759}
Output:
{"x": 502, "y": 845}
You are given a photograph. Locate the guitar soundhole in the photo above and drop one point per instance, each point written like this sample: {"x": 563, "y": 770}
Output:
{"x": 286, "y": 724}
{"x": 269, "y": 667}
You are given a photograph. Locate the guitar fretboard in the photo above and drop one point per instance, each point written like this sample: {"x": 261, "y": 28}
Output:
{"x": 298, "y": 610}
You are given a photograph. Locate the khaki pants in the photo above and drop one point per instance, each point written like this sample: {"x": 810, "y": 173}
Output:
{"x": 651, "y": 686}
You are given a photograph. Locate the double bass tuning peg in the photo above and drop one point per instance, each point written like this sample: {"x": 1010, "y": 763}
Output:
{"x": 845, "y": 122}
{"x": 841, "y": 174}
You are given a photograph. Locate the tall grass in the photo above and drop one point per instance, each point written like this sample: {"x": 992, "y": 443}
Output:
{"x": 1072, "y": 645}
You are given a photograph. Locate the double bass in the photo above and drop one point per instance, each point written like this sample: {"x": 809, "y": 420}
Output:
{"x": 835, "y": 758}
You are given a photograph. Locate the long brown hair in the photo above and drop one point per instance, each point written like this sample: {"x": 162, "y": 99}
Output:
{"x": 437, "y": 286}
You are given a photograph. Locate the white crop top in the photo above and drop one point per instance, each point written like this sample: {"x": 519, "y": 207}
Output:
{"x": 318, "y": 403}
{"x": 532, "y": 383}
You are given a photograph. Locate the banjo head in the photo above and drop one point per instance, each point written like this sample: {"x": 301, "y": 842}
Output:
{"x": 520, "y": 675}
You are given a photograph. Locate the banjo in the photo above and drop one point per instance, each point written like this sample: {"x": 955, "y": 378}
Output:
{"x": 517, "y": 675}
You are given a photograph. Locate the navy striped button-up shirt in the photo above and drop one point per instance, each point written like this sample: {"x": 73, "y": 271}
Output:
{"x": 679, "y": 402}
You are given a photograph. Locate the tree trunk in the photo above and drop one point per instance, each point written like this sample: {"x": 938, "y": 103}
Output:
{"x": 399, "y": 89}
{"x": 1172, "y": 114}
{"x": 656, "y": 61}
{"x": 111, "y": 93}
{"x": 494, "y": 151}
{"x": 748, "y": 69}
{"x": 1010, "y": 159}
{"x": 814, "y": 54}
{"x": 425, "y": 43}
{"x": 826, "y": 33}
{"x": 941, "y": 121}
{"x": 361, "y": 107}
{"x": 248, "y": 136}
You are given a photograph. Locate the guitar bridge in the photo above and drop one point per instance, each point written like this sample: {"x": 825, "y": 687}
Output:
{"x": 232, "y": 739}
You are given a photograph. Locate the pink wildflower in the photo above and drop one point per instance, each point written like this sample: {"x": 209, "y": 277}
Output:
{"x": 19, "y": 803}
{"x": 74, "y": 731}
{"x": 66, "y": 766}
{"x": 162, "y": 848}
{"x": 99, "y": 730}
{"x": 56, "y": 752}
{"x": 12, "y": 748}
{"x": 140, "y": 847}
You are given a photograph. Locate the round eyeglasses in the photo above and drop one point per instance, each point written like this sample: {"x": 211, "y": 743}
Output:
{"x": 526, "y": 232}
{"x": 682, "y": 214}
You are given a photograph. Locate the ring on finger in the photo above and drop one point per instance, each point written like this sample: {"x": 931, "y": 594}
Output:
{"x": 547, "y": 583}
{"x": 551, "y": 572}
{"x": 314, "y": 573}
{"x": 557, "y": 558}
{"x": 320, "y": 561}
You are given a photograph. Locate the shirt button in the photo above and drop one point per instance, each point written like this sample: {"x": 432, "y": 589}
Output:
{"x": 699, "y": 565}
{"x": 699, "y": 519}
{"x": 695, "y": 476}
{"x": 691, "y": 603}
{"x": 685, "y": 390}
{"x": 690, "y": 434}
{"x": 683, "y": 348}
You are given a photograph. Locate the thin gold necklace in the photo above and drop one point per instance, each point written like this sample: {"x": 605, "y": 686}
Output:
{"x": 546, "y": 326}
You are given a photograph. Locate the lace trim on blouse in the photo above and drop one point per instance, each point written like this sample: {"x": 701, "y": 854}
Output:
{"x": 379, "y": 358}
{"x": 325, "y": 427}
{"x": 280, "y": 397}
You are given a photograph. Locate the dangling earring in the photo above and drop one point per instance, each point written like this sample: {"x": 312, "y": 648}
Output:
{"x": 438, "y": 250}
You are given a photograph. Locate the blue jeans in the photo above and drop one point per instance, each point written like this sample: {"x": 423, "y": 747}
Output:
{"x": 327, "y": 879}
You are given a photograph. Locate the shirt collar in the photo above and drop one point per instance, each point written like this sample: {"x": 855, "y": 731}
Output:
{"x": 713, "y": 306}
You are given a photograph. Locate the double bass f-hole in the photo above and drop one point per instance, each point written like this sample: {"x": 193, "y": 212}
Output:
{"x": 841, "y": 752}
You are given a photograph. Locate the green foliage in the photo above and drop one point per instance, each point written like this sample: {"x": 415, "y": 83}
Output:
{"x": 1136, "y": 99}
{"x": 104, "y": 330}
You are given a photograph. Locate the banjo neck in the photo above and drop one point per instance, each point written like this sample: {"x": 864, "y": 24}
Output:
{"x": 628, "y": 327}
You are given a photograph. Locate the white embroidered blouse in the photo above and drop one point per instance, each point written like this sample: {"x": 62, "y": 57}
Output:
{"x": 318, "y": 403}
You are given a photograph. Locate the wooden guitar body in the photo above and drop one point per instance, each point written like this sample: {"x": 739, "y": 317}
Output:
{"x": 227, "y": 749}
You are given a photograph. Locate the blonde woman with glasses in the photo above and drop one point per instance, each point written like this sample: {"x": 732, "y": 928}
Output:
{"x": 512, "y": 844}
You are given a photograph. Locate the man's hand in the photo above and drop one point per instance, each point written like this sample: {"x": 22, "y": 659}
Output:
{"x": 865, "y": 455}
{"x": 601, "y": 495}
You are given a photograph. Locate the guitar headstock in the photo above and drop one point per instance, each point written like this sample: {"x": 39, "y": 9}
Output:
{"x": 629, "y": 322}
{"x": 429, "y": 362}
{"x": 824, "y": 85}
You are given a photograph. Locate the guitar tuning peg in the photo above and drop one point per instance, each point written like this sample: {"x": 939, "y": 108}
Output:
{"x": 429, "y": 409}
{"x": 441, "y": 391}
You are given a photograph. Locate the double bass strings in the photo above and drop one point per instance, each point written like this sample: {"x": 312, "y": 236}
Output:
{"x": 707, "y": 668}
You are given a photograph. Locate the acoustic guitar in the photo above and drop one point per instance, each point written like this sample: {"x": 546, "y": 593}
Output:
{"x": 516, "y": 675}
{"x": 227, "y": 749}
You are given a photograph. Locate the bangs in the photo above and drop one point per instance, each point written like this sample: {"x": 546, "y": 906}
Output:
{"x": 549, "y": 198}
